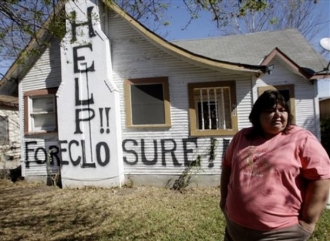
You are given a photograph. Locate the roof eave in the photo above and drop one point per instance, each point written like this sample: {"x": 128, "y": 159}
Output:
{"x": 17, "y": 70}
{"x": 183, "y": 53}
{"x": 309, "y": 75}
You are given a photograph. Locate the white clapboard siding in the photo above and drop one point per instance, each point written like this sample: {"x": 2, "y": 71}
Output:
{"x": 244, "y": 103}
{"x": 303, "y": 91}
{"x": 13, "y": 125}
{"x": 39, "y": 162}
{"x": 134, "y": 57}
{"x": 46, "y": 73}
{"x": 10, "y": 150}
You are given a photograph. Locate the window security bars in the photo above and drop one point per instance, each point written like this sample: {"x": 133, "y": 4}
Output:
{"x": 213, "y": 108}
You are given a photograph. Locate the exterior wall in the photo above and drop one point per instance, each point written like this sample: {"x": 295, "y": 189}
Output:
{"x": 304, "y": 93}
{"x": 89, "y": 125}
{"x": 325, "y": 108}
{"x": 134, "y": 57}
{"x": 10, "y": 154}
{"x": 46, "y": 73}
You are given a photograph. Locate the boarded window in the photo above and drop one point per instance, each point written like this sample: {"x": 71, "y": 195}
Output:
{"x": 147, "y": 102}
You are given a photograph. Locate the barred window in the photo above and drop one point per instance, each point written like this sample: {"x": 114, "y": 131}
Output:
{"x": 212, "y": 108}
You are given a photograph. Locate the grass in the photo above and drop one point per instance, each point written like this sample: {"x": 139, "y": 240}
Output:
{"x": 37, "y": 212}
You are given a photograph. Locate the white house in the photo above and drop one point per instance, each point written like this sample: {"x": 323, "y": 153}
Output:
{"x": 112, "y": 101}
{"x": 9, "y": 133}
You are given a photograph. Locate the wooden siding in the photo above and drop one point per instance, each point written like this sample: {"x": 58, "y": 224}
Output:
{"x": 13, "y": 124}
{"x": 325, "y": 108}
{"x": 46, "y": 73}
{"x": 135, "y": 57}
{"x": 10, "y": 154}
{"x": 161, "y": 151}
{"x": 304, "y": 94}
{"x": 39, "y": 163}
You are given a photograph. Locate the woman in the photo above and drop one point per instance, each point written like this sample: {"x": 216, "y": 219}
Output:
{"x": 275, "y": 177}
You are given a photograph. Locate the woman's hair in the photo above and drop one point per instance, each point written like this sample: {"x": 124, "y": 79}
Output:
{"x": 267, "y": 100}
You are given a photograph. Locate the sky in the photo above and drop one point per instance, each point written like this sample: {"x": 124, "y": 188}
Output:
{"x": 203, "y": 28}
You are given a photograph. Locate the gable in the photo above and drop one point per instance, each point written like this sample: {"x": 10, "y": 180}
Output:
{"x": 254, "y": 48}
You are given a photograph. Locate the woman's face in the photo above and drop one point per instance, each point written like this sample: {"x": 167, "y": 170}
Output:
{"x": 273, "y": 120}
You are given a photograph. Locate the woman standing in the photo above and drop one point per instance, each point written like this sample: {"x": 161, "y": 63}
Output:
{"x": 275, "y": 177}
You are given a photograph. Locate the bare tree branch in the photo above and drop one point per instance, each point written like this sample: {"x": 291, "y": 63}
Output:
{"x": 21, "y": 20}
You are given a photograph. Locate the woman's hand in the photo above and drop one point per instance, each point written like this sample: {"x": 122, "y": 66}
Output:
{"x": 307, "y": 226}
{"x": 314, "y": 203}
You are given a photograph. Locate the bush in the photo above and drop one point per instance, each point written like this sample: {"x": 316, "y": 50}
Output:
{"x": 325, "y": 133}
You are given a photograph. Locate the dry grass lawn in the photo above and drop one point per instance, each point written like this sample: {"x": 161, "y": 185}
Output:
{"x": 38, "y": 212}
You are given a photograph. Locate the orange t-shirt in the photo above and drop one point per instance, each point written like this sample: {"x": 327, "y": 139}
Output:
{"x": 268, "y": 177}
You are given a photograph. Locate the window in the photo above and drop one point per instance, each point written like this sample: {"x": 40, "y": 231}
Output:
{"x": 212, "y": 108}
{"x": 147, "y": 102}
{"x": 40, "y": 111}
{"x": 4, "y": 130}
{"x": 288, "y": 93}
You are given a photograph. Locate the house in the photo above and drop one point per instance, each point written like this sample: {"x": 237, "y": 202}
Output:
{"x": 325, "y": 107}
{"x": 113, "y": 102}
{"x": 9, "y": 133}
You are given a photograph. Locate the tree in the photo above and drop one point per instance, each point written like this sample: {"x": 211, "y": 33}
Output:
{"x": 20, "y": 20}
{"x": 270, "y": 15}
{"x": 249, "y": 16}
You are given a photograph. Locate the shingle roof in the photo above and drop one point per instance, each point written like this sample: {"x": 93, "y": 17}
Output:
{"x": 253, "y": 48}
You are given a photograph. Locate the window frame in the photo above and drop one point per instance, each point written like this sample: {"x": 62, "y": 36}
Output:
{"x": 166, "y": 100}
{"x": 28, "y": 96}
{"x": 193, "y": 115}
{"x": 289, "y": 87}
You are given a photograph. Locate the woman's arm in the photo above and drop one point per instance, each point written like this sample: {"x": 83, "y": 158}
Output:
{"x": 314, "y": 203}
{"x": 225, "y": 176}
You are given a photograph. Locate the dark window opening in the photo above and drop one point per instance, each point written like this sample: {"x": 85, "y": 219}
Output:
{"x": 147, "y": 102}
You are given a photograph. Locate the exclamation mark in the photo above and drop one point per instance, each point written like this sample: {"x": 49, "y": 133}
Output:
{"x": 101, "y": 120}
{"x": 107, "y": 111}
